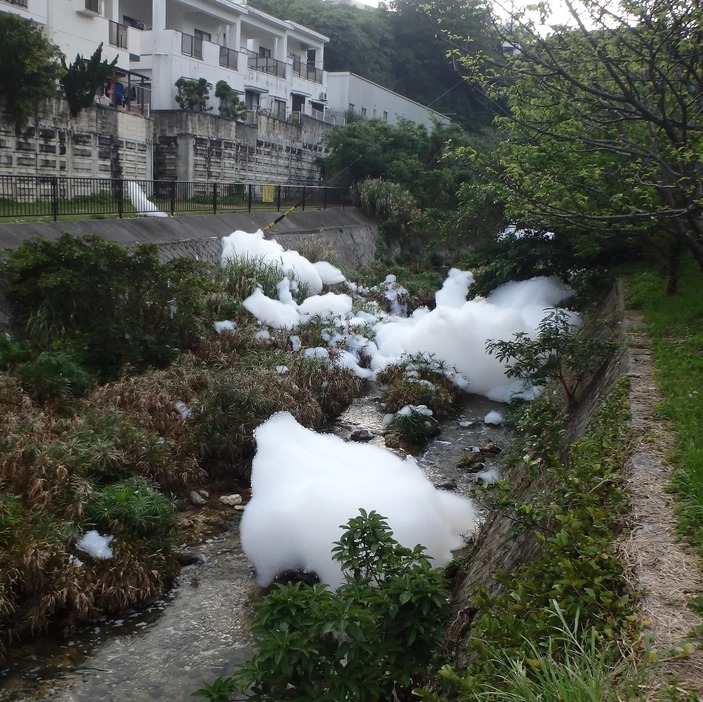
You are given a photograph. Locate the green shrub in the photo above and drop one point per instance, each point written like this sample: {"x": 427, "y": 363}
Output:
{"x": 112, "y": 306}
{"x": 557, "y": 353}
{"x": 419, "y": 380}
{"x": 414, "y": 424}
{"x": 55, "y": 375}
{"x": 371, "y": 640}
{"x": 133, "y": 507}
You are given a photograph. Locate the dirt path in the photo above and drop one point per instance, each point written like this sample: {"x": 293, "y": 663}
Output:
{"x": 663, "y": 569}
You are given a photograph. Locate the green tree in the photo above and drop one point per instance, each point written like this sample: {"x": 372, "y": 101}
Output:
{"x": 602, "y": 124}
{"x": 424, "y": 72}
{"x": 360, "y": 40}
{"x": 405, "y": 153}
{"x": 83, "y": 77}
{"x": 30, "y": 65}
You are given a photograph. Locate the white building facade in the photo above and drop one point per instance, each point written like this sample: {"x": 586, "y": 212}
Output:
{"x": 347, "y": 92}
{"x": 273, "y": 65}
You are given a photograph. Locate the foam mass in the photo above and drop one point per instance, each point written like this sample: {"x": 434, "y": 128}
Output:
{"x": 306, "y": 485}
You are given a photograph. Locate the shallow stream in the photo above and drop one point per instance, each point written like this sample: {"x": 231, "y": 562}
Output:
{"x": 201, "y": 629}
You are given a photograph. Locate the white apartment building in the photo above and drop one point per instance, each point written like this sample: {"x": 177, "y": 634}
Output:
{"x": 274, "y": 65}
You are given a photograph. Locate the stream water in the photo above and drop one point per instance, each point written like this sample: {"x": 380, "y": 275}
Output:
{"x": 201, "y": 629}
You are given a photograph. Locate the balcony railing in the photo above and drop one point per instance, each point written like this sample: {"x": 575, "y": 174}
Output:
{"x": 19, "y": 3}
{"x": 228, "y": 58}
{"x": 192, "y": 46}
{"x": 306, "y": 70}
{"x": 118, "y": 35}
{"x": 266, "y": 64}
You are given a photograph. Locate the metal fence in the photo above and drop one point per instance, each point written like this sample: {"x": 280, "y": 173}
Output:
{"x": 37, "y": 196}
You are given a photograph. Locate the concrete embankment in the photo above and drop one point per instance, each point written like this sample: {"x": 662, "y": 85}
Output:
{"x": 348, "y": 232}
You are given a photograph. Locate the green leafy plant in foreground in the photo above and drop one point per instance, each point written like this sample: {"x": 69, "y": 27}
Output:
{"x": 372, "y": 638}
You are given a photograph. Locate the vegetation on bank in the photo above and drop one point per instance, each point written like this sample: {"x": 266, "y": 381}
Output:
{"x": 117, "y": 398}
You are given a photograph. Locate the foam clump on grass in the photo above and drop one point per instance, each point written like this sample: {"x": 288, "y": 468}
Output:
{"x": 306, "y": 485}
{"x": 455, "y": 332}
{"x": 243, "y": 245}
{"x": 95, "y": 545}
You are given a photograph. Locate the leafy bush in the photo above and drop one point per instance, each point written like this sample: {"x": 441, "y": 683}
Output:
{"x": 111, "y": 306}
{"x": 414, "y": 424}
{"x": 557, "y": 353}
{"x": 391, "y": 204}
{"x": 55, "y": 375}
{"x": 419, "y": 380}
{"x": 371, "y": 640}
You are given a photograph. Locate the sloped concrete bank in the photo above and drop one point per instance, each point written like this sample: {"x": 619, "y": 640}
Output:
{"x": 666, "y": 575}
{"x": 347, "y": 233}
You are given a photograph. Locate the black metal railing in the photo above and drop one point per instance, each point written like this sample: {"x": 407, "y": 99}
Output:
{"x": 191, "y": 46}
{"x": 266, "y": 64}
{"x": 52, "y": 196}
{"x": 118, "y": 35}
{"x": 228, "y": 58}
{"x": 306, "y": 70}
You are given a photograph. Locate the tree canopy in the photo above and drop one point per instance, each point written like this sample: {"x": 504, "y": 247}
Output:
{"x": 30, "y": 65}
{"x": 602, "y": 123}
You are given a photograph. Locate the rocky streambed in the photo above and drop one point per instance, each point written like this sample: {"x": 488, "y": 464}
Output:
{"x": 201, "y": 629}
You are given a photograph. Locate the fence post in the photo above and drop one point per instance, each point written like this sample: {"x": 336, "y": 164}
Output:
{"x": 173, "y": 197}
{"x": 278, "y": 198}
{"x": 120, "y": 197}
{"x": 303, "y": 198}
{"x": 55, "y": 198}
{"x": 214, "y": 198}
{"x": 251, "y": 195}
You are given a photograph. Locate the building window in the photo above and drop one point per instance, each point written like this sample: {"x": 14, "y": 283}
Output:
{"x": 351, "y": 107}
{"x": 203, "y": 36}
{"x": 363, "y": 112}
{"x": 264, "y": 52}
{"x": 385, "y": 116}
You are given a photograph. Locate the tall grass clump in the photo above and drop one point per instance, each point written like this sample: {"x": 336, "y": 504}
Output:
{"x": 419, "y": 379}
